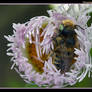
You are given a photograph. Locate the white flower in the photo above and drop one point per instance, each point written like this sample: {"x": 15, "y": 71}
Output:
{"x": 31, "y": 43}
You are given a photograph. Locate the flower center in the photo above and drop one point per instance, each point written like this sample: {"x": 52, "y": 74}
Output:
{"x": 32, "y": 56}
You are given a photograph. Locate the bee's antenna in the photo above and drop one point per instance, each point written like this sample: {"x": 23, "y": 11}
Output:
{"x": 79, "y": 26}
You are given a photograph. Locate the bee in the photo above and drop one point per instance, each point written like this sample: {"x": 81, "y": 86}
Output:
{"x": 64, "y": 43}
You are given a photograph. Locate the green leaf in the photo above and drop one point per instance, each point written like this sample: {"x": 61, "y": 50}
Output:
{"x": 32, "y": 85}
{"x": 44, "y": 86}
{"x": 91, "y": 52}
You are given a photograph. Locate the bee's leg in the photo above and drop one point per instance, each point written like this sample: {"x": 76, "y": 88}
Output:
{"x": 50, "y": 54}
{"x": 63, "y": 72}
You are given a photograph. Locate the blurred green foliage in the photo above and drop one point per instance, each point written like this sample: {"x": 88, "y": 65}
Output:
{"x": 20, "y": 14}
{"x": 91, "y": 52}
{"x": 90, "y": 20}
{"x": 31, "y": 85}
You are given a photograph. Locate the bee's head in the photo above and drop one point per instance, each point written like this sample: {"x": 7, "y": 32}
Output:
{"x": 67, "y": 28}
{"x": 70, "y": 23}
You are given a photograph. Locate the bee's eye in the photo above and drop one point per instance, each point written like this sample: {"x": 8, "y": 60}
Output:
{"x": 61, "y": 27}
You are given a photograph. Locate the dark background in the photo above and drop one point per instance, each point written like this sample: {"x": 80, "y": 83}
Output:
{"x": 19, "y": 14}
{"x": 14, "y": 14}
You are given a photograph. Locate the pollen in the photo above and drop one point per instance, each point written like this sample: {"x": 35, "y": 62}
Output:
{"x": 32, "y": 56}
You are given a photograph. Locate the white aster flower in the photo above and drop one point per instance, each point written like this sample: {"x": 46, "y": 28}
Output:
{"x": 31, "y": 43}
